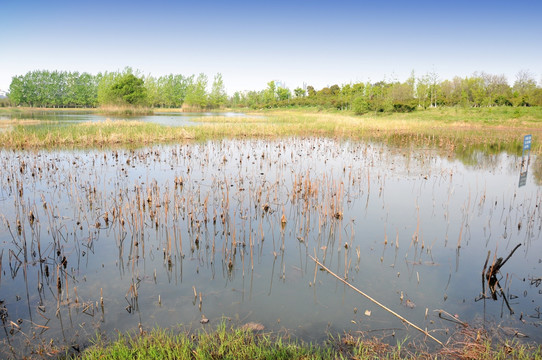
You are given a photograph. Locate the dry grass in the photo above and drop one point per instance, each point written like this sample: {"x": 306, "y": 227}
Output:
{"x": 124, "y": 110}
{"x": 91, "y": 134}
{"x": 397, "y": 129}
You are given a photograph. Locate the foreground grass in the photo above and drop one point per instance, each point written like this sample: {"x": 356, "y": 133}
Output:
{"x": 239, "y": 343}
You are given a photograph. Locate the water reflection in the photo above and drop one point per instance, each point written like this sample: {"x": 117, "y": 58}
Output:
{"x": 524, "y": 171}
{"x": 167, "y": 235}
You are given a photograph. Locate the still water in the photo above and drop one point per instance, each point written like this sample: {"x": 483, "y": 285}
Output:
{"x": 165, "y": 118}
{"x": 106, "y": 240}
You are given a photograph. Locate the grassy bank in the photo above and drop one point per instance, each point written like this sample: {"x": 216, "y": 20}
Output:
{"x": 449, "y": 129}
{"x": 105, "y": 110}
{"x": 125, "y": 110}
{"x": 245, "y": 343}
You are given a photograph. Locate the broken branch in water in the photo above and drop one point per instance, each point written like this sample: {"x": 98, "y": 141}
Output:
{"x": 376, "y": 302}
{"x": 497, "y": 265}
{"x": 491, "y": 277}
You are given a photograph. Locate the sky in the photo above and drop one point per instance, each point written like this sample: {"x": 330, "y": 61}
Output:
{"x": 312, "y": 42}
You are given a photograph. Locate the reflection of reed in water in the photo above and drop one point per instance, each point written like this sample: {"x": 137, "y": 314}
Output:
{"x": 179, "y": 210}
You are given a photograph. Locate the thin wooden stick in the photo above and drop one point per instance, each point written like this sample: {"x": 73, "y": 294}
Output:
{"x": 376, "y": 302}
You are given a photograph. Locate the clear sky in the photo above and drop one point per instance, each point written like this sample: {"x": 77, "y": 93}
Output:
{"x": 317, "y": 42}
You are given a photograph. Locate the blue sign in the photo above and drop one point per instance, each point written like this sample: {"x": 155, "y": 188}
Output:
{"x": 527, "y": 142}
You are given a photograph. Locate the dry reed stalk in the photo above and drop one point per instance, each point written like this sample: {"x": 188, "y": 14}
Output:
{"x": 460, "y": 235}
{"x": 1, "y": 256}
{"x": 346, "y": 261}
{"x": 67, "y": 289}
{"x": 315, "y": 268}
{"x": 243, "y": 261}
{"x": 251, "y": 252}
{"x": 376, "y": 302}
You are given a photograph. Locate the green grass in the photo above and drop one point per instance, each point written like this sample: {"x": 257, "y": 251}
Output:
{"x": 510, "y": 116}
{"x": 222, "y": 343}
{"x": 239, "y": 343}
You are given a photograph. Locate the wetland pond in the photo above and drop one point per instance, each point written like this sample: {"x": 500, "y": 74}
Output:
{"x": 199, "y": 233}
{"x": 56, "y": 118}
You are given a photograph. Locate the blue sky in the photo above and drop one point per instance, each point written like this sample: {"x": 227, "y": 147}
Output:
{"x": 320, "y": 43}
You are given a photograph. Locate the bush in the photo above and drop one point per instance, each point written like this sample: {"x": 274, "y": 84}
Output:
{"x": 403, "y": 107}
{"x": 360, "y": 106}
{"x": 503, "y": 101}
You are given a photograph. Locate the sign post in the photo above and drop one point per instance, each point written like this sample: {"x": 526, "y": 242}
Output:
{"x": 527, "y": 139}
{"x": 527, "y": 143}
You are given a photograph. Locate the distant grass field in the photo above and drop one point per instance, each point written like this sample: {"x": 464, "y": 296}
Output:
{"x": 449, "y": 129}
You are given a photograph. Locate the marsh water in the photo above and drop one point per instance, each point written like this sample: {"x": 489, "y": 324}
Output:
{"x": 106, "y": 240}
{"x": 161, "y": 118}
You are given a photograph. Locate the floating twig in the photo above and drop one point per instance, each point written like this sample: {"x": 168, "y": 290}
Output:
{"x": 377, "y": 303}
{"x": 450, "y": 317}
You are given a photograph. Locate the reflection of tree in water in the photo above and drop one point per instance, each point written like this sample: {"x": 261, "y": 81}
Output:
{"x": 474, "y": 148}
{"x": 478, "y": 158}
{"x": 536, "y": 167}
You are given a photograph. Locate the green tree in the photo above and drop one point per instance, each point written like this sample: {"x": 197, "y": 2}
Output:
{"x": 422, "y": 91}
{"x": 270, "y": 93}
{"x": 173, "y": 89}
{"x": 335, "y": 89}
{"x": 236, "y": 100}
{"x": 283, "y": 93}
{"x": 196, "y": 94}
{"x": 154, "y": 93}
{"x": 299, "y": 92}
{"x": 129, "y": 89}
{"x": 124, "y": 88}
{"x": 105, "y": 94}
{"x": 17, "y": 91}
{"x": 360, "y": 105}
{"x": 218, "y": 96}
{"x": 524, "y": 88}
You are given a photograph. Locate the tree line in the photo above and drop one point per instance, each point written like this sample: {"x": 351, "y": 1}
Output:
{"x": 478, "y": 90}
{"x": 61, "y": 89}
{"x": 128, "y": 87}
